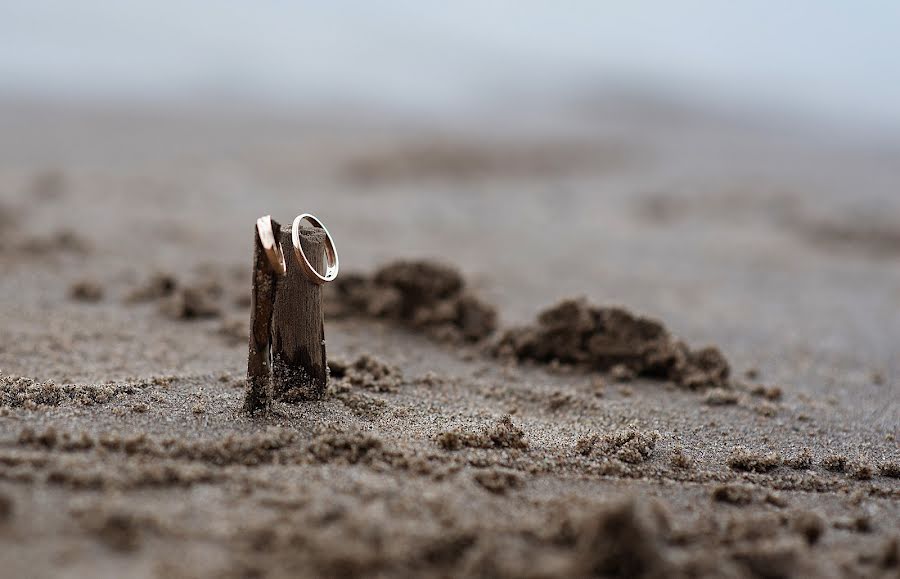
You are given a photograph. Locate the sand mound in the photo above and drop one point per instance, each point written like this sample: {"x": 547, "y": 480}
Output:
{"x": 575, "y": 332}
{"x": 424, "y": 295}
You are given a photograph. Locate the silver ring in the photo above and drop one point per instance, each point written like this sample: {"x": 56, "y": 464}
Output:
{"x": 331, "y": 256}
{"x": 270, "y": 244}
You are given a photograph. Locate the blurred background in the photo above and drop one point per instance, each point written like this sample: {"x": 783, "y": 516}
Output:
{"x": 826, "y": 61}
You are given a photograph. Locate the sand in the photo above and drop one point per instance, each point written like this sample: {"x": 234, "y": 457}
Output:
{"x": 633, "y": 344}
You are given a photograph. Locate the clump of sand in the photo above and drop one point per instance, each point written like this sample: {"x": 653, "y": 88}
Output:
{"x": 678, "y": 458}
{"x": 425, "y": 295}
{"x": 193, "y": 302}
{"x": 734, "y": 494}
{"x": 157, "y": 286}
{"x": 803, "y": 460}
{"x": 721, "y": 397}
{"x": 503, "y": 434}
{"x": 749, "y": 461}
{"x": 361, "y": 405}
{"x": 18, "y": 391}
{"x": 347, "y": 447}
{"x": 367, "y": 372}
{"x": 861, "y": 469}
{"x": 889, "y": 469}
{"x": 835, "y": 462}
{"x": 628, "y": 445}
{"x": 810, "y": 525}
{"x": 179, "y": 301}
{"x": 118, "y": 528}
{"x": 7, "y": 507}
{"x": 773, "y": 393}
{"x": 498, "y": 481}
{"x": 247, "y": 450}
{"x": 575, "y": 332}
{"x": 86, "y": 291}
{"x": 623, "y": 539}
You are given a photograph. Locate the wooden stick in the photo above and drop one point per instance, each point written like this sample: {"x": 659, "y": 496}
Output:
{"x": 262, "y": 302}
{"x": 299, "y": 370}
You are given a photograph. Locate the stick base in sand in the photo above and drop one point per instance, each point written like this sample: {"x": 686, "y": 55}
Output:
{"x": 286, "y": 359}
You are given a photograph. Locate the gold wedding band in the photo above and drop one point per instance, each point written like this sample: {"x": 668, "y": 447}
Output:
{"x": 270, "y": 244}
{"x": 331, "y": 256}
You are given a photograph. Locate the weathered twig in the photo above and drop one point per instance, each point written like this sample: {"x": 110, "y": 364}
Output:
{"x": 262, "y": 301}
{"x": 298, "y": 333}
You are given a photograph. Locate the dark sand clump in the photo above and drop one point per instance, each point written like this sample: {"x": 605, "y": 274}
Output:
{"x": 877, "y": 237}
{"x": 503, "y": 434}
{"x": 193, "y": 302}
{"x": 497, "y": 480}
{"x": 352, "y": 448}
{"x": 835, "y": 462}
{"x": 721, "y": 397}
{"x": 749, "y": 461}
{"x": 86, "y": 291}
{"x": 628, "y": 445}
{"x": 734, "y": 494}
{"x": 159, "y": 285}
{"x": 803, "y": 460}
{"x": 119, "y": 529}
{"x": 361, "y": 405}
{"x": 769, "y": 559}
{"x": 7, "y": 507}
{"x": 575, "y": 332}
{"x": 889, "y": 469}
{"x": 424, "y": 295}
{"x": 367, "y": 372}
{"x": 179, "y": 301}
{"x": 810, "y": 525}
{"x": 773, "y": 393}
{"x": 17, "y": 391}
{"x": 248, "y": 450}
{"x": 624, "y": 539}
{"x": 859, "y": 523}
{"x": 678, "y": 458}
{"x": 861, "y": 469}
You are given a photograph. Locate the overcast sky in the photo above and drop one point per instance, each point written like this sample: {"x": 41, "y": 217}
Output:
{"x": 834, "y": 60}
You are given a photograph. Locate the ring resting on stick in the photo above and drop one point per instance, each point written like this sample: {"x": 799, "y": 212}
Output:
{"x": 331, "y": 256}
{"x": 274, "y": 254}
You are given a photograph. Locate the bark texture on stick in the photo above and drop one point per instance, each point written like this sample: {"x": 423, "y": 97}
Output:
{"x": 262, "y": 301}
{"x": 299, "y": 370}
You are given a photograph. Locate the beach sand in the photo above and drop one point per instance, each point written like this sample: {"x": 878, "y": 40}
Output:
{"x": 478, "y": 442}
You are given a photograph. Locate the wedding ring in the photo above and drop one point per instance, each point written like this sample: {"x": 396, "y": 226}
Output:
{"x": 331, "y": 256}
{"x": 271, "y": 246}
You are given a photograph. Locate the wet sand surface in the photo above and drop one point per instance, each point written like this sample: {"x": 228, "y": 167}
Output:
{"x": 125, "y": 251}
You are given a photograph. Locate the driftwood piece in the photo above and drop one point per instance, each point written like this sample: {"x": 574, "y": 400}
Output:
{"x": 262, "y": 302}
{"x": 299, "y": 370}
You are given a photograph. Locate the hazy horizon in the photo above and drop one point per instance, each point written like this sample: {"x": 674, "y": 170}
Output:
{"x": 822, "y": 61}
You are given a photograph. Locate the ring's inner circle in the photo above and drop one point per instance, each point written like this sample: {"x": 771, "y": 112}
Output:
{"x": 329, "y": 248}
